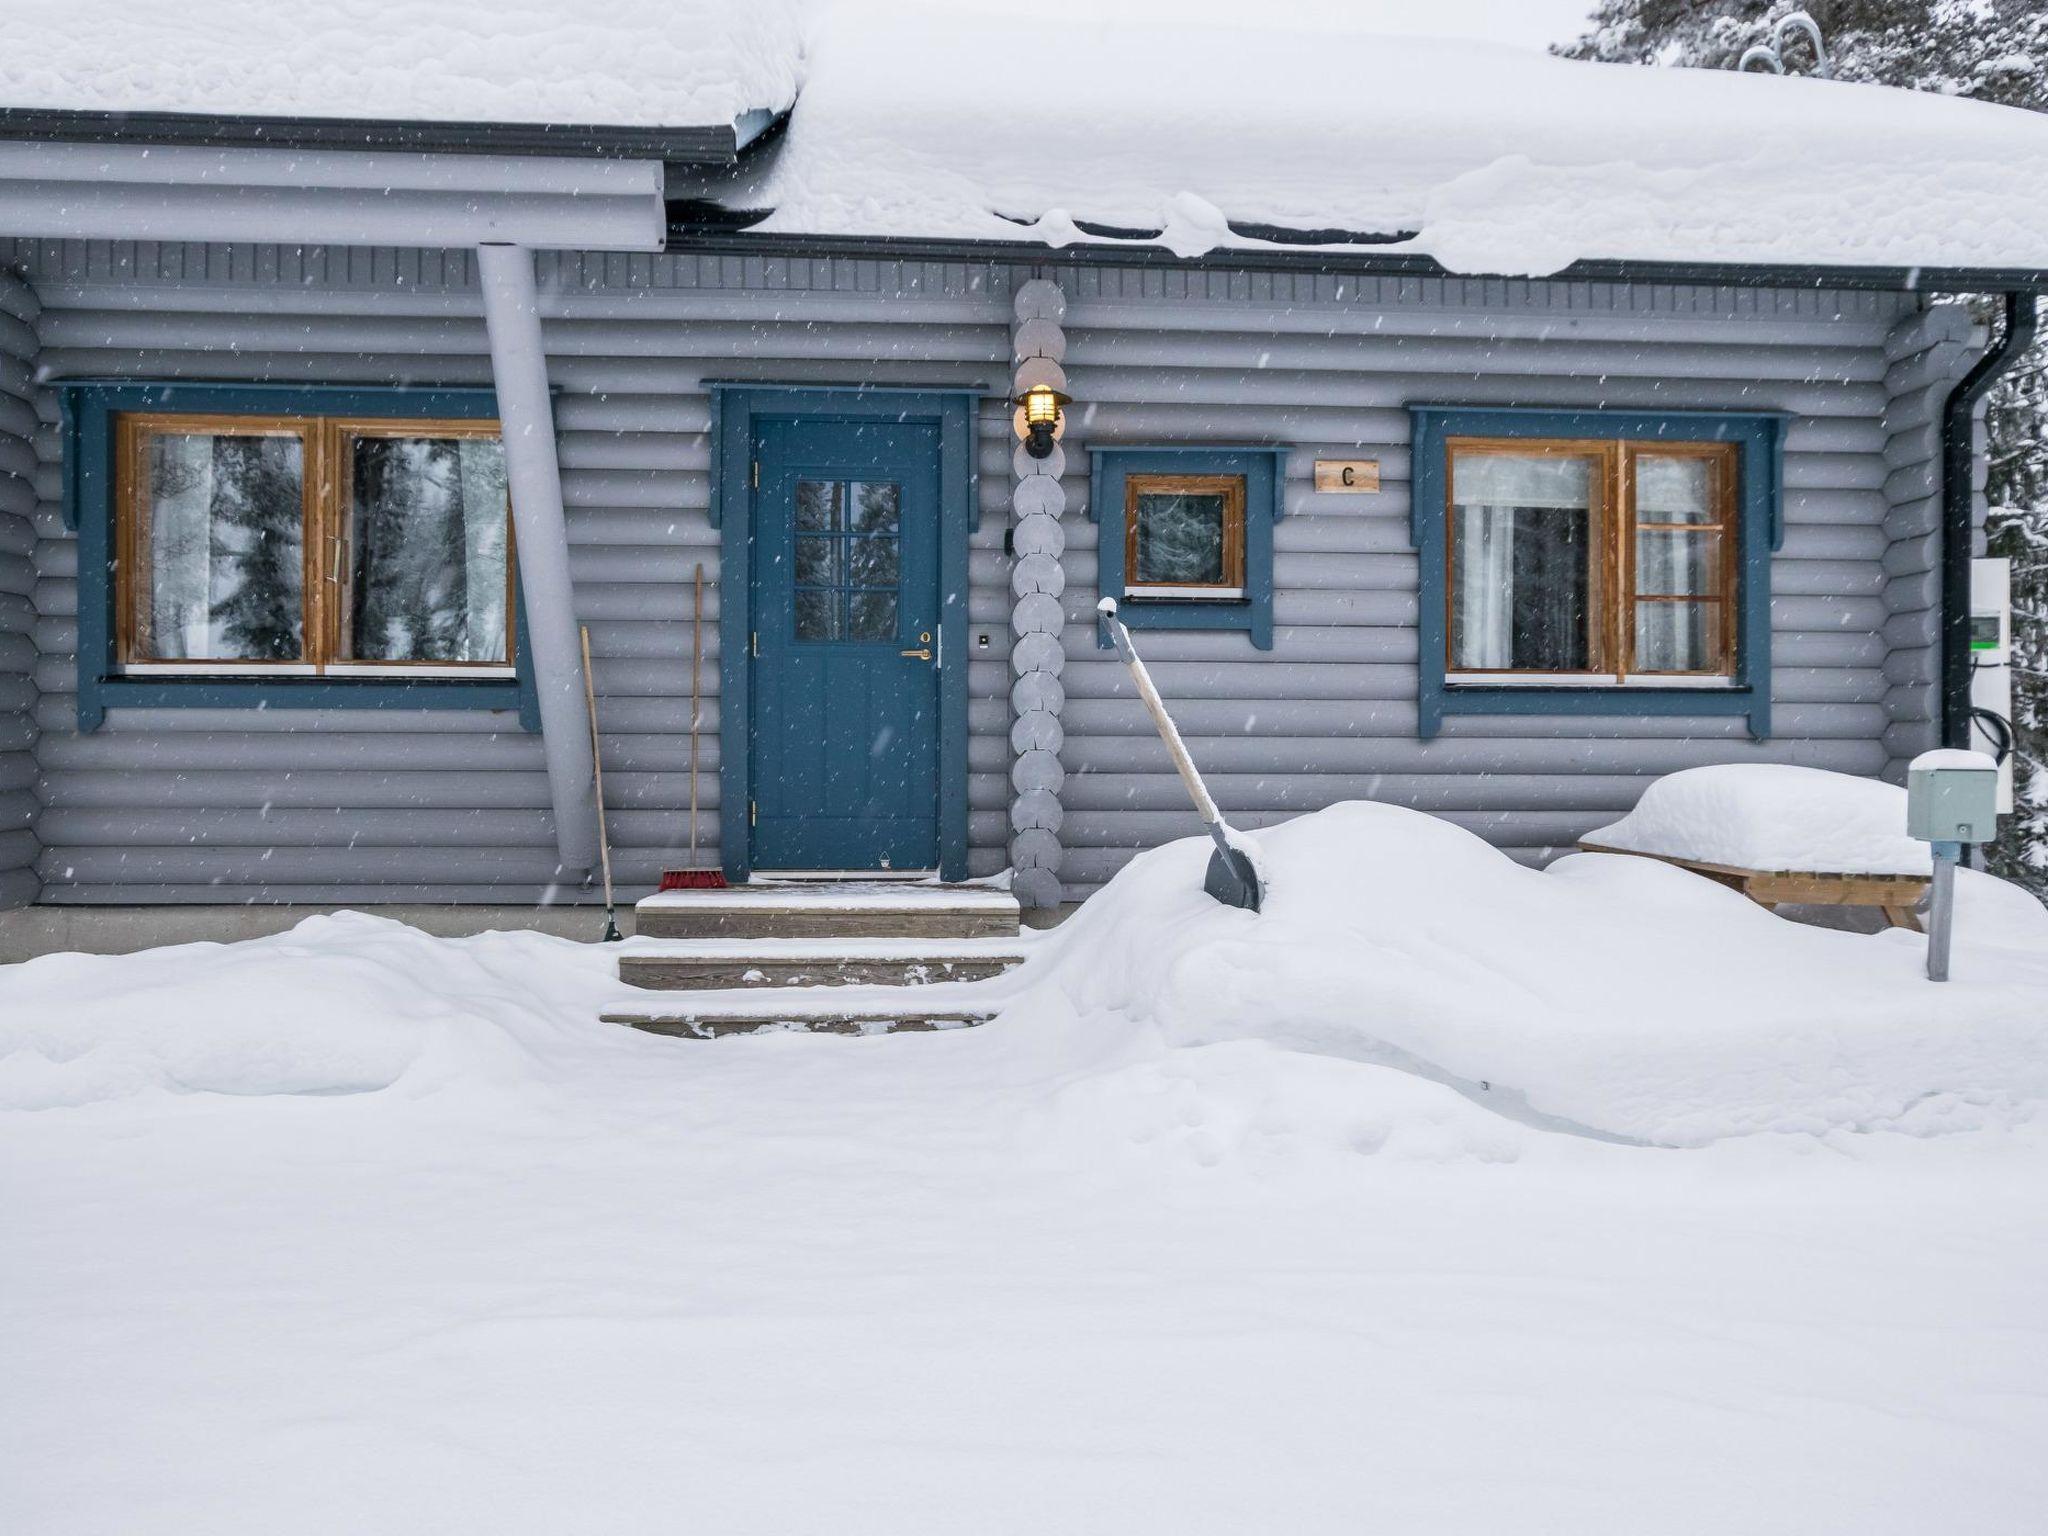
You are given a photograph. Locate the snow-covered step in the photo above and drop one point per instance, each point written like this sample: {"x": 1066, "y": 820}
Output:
{"x": 717, "y": 964}
{"x": 713, "y": 1023}
{"x": 844, "y": 909}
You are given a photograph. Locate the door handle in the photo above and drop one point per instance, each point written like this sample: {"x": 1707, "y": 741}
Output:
{"x": 922, "y": 653}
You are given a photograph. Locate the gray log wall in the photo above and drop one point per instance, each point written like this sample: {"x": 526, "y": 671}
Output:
{"x": 182, "y": 805}
{"x": 1327, "y": 367}
{"x": 18, "y": 431}
{"x": 192, "y": 805}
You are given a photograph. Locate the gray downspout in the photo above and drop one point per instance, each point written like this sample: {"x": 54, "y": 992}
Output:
{"x": 519, "y": 369}
{"x": 1958, "y": 512}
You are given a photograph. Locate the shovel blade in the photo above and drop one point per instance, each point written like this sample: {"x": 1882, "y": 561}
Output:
{"x": 1232, "y": 880}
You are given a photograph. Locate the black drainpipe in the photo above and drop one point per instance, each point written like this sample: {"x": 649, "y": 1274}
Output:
{"x": 1958, "y": 524}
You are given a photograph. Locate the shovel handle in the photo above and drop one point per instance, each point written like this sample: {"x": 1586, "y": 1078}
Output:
{"x": 1120, "y": 637}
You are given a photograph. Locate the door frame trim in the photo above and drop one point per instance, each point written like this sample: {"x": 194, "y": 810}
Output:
{"x": 737, "y": 410}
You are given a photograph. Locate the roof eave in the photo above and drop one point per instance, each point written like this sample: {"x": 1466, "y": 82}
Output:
{"x": 708, "y": 148}
{"x": 1239, "y": 258}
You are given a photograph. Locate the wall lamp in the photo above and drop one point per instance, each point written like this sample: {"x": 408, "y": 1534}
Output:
{"x": 1041, "y": 396}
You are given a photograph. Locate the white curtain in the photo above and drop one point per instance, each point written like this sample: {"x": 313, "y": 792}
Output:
{"x": 1489, "y": 488}
{"x": 1484, "y": 586}
{"x": 181, "y": 595}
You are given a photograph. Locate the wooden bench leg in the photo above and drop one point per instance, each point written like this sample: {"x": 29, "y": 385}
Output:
{"x": 1903, "y": 917}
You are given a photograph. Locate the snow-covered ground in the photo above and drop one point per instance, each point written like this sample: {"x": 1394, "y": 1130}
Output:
{"x": 1342, "y": 1217}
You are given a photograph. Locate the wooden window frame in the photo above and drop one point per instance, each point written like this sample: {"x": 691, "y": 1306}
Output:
{"x": 327, "y": 531}
{"x": 1611, "y": 586}
{"x": 1232, "y": 588}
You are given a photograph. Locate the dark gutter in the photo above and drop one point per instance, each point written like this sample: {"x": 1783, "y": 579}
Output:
{"x": 716, "y": 148}
{"x": 1958, "y": 510}
{"x": 687, "y": 234}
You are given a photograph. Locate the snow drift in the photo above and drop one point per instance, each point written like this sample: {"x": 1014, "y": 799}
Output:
{"x": 1396, "y": 954}
{"x": 1608, "y": 994}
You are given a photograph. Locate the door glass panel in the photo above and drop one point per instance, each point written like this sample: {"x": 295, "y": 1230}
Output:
{"x": 817, "y": 560}
{"x": 877, "y": 506}
{"x": 1678, "y": 637}
{"x": 1522, "y": 564}
{"x": 873, "y": 616}
{"x": 225, "y": 545}
{"x": 1180, "y": 539}
{"x": 428, "y": 525}
{"x": 817, "y": 616}
{"x": 818, "y": 505}
{"x": 848, "y": 559}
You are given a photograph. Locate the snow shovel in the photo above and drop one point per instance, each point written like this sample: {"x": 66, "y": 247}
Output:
{"x": 1232, "y": 879}
{"x": 611, "y": 934}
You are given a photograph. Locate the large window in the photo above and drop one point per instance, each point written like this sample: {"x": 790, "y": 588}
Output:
{"x": 311, "y": 545}
{"x": 1591, "y": 561}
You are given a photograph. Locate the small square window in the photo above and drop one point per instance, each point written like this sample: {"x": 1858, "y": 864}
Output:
{"x": 1184, "y": 538}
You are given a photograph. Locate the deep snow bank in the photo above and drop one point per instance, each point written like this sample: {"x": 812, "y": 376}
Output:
{"x": 341, "y": 1004}
{"x": 1616, "y": 994}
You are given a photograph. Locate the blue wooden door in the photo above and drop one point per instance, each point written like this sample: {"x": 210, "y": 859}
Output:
{"x": 845, "y": 708}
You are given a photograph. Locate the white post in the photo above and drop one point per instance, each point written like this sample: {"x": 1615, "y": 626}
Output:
{"x": 519, "y": 369}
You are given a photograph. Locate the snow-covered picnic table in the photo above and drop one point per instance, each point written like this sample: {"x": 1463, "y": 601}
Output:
{"x": 1781, "y": 835}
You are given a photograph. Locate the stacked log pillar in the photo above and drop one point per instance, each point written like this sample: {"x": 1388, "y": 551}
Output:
{"x": 1037, "y": 616}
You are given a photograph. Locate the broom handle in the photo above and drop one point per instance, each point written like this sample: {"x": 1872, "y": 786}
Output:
{"x": 604, "y": 842}
{"x": 696, "y": 667}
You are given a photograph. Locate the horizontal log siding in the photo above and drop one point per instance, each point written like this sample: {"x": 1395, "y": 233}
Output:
{"x": 18, "y": 427}
{"x": 1330, "y": 712}
{"x": 357, "y": 806}
{"x": 178, "y": 805}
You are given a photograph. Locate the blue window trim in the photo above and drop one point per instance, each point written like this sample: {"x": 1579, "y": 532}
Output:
{"x": 1264, "y": 468}
{"x": 88, "y": 408}
{"x": 1760, "y": 438}
{"x": 737, "y": 409}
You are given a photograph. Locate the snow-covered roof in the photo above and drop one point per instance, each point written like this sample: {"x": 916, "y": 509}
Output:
{"x": 626, "y": 63}
{"x": 1200, "y": 125}
{"x": 927, "y": 120}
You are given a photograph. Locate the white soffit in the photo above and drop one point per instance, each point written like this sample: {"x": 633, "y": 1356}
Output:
{"x": 327, "y": 197}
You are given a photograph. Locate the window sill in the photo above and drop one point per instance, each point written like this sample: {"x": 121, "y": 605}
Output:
{"x": 1184, "y": 594}
{"x": 1649, "y": 699}
{"x": 301, "y": 691}
{"x": 1586, "y": 680}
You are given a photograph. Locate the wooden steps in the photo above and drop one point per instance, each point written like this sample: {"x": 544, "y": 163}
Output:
{"x": 692, "y": 965}
{"x": 844, "y": 958}
{"x": 850, "y": 909}
{"x": 712, "y": 1024}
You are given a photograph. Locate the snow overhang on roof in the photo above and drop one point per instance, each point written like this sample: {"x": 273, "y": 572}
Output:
{"x": 688, "y": 82}
{"x": 1217, "y": 134}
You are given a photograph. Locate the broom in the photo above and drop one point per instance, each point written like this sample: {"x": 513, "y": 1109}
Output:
{"x": 611, "y": 934}
{"x": 694, "y": 879}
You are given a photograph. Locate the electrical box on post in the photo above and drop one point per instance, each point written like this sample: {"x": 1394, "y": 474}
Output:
{"x": 1991, "y": 660}
{"x": 1952, "y": 797}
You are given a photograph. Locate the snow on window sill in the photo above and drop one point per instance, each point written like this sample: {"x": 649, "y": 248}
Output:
{"x": 1457, "y": 680}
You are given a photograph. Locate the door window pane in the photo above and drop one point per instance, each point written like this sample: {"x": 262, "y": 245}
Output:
{"x": 223, "y": 548}
{"x": 872, "y": 616}
{"x": 876, "y": 506}
{"x": 430, "y": 554}
{"x": 848, "y": 559}
{"x": 1677, "y": 637}
{"x": 817, "y": 616}
{"x": 1524, "y": 537}
{"x": 1180, "y": 539}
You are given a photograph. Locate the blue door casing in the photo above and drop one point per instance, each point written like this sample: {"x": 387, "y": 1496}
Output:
{"x": 845, "y": 606}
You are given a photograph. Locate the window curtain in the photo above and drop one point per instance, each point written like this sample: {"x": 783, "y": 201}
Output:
{"x": 1521, "y": 572}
